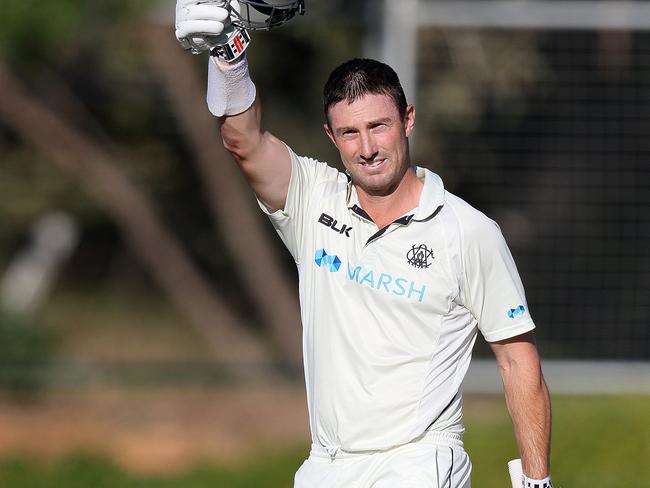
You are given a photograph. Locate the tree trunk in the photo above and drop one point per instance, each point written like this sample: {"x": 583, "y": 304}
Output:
{"x": 228, "y": 195}
{"x": 156, "y": 247}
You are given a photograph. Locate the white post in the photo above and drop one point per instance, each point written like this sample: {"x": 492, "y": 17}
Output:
{"x": 536, "y": 14}
{"x": 399, "y": 42}
{"x": 29, "y": 277}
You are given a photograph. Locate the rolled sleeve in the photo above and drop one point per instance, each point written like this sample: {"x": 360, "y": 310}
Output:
{"x": 493, "y": 290}
{"x": 290, "y": 221}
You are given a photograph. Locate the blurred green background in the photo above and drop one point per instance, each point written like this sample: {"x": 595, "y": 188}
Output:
{"x": 148, "y": 320}
{"x": 593, "y": 445}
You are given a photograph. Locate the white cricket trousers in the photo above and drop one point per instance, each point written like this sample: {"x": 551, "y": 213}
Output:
{"x": 437, "y": 460}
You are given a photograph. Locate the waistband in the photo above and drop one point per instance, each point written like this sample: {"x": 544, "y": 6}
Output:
{"x": 433, "y": 437}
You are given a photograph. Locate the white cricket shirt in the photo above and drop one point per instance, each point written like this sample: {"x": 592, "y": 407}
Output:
{"x": 390, "y": 316}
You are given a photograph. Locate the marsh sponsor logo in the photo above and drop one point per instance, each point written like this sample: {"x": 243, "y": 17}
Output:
{"x": 387, "y": 283}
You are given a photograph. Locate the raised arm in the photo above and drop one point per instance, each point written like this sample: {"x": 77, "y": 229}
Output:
{"x": 527, "y": 400}
{"x": 232, "y": 97}
{"x": 263, "y": 158}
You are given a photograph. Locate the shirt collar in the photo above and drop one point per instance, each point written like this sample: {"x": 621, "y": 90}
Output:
{"x": 431, "y": 198}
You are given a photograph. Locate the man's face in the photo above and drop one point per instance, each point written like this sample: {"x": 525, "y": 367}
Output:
{"x": 372, "y": 139}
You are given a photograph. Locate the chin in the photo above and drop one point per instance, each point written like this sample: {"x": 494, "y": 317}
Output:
{"x": 378, "y": 189}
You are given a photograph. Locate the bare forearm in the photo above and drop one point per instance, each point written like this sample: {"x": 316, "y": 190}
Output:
{"x": 529, "y": 406}
{"x": 242, "y": 133}
{"x": 263, "y": 158}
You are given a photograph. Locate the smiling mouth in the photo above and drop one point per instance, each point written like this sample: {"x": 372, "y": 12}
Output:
{"x": 373, "y": 163}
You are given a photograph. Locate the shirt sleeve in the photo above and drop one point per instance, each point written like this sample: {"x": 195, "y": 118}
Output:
{"x": 289, "y": 222}
{"x": 492, "y": 289}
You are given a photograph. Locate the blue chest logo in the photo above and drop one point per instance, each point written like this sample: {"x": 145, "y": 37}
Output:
{"x": 330, "y": 262}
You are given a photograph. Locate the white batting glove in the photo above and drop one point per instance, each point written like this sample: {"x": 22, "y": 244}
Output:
{"x": 516, "y": 472}
{"x": 206, "y": 25}
{"x": 203, "y": 24}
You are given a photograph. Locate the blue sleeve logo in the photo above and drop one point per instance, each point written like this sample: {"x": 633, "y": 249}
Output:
{"x": 514, "y": 312}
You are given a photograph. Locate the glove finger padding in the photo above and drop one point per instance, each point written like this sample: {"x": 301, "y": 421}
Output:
{"x": 188, "y": 3}
{"x": 210, "y": 9}
{"x": 198, "y": 28}
{"x": 204, "y": 12}
{"x": 200, "y": 19}
{"x": 202, "y": 24}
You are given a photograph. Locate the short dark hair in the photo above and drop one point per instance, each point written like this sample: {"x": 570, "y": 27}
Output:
{"x": 358, "y": 77}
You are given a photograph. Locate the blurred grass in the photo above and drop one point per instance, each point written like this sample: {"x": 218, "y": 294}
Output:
{"x": 599, "y": 441}
{"x": 87, "y": 471}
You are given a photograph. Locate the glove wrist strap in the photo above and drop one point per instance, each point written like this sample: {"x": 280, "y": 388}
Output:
{"x": 527, "y": 482}
{"x": 237, "y": 42}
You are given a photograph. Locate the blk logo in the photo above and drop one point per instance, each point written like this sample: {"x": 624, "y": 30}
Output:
{"x": 514, "y": 312}
{"x": 328, "y": 261}
{"x": 419, "y": 256}
{"x": 331, "y": 222}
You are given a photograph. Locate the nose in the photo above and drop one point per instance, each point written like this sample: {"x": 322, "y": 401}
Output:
{"x": 368, "y": 149}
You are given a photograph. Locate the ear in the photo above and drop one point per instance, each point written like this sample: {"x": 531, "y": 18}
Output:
{"x": 409, "y": 119}
{"x": 329, "y": 133}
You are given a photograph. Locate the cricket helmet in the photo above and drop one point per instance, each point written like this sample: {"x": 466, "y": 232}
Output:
{"x": 265, "y": 14}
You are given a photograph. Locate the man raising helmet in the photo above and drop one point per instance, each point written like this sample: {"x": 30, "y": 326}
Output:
{"x": 396, "y": 278}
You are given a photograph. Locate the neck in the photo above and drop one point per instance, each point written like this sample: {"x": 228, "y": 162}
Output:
{"x": 385, "y": 209}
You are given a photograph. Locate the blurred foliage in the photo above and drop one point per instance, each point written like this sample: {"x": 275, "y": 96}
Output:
{"x": 36, "y": 30}
{"x": 89, "y": 62}
{"x": 26, "y": 347}
{"x": 49, "y": 44}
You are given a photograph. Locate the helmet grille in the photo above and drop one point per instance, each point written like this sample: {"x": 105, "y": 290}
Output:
{"x": 263, "y": 15}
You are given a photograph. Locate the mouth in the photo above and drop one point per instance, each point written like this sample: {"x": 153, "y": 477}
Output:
{"x": 372, "y": 164}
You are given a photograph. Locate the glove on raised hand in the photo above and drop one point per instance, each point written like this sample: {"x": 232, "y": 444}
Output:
{"x": 203, "y": 24}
